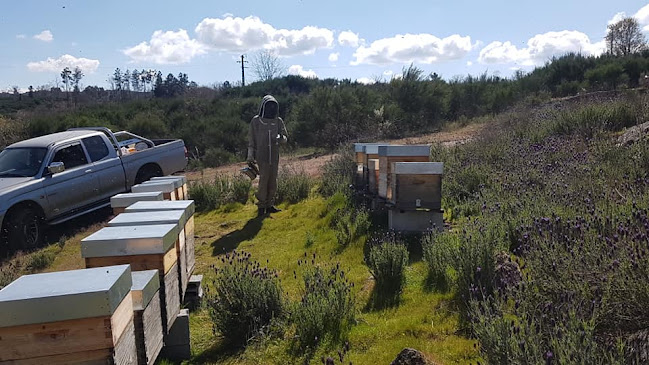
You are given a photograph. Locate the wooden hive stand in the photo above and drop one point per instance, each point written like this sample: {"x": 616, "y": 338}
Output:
{"x": 69, "y": 317}
{"x": 177, "y": 217}
{"x": 119, "y": 202}
{"x": 149, "y": 247}
{"x": 149, "y": 334}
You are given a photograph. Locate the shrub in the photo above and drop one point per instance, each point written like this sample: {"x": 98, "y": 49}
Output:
{"x": 589, "y": 120}
{"x": 326, "y": 309}
{"x": 439, "y": 250}
{"x": 246, "y": 298}
{"x": 338, "y": 174}
{"x": 39, "y": 261}
{"x": 387, "y": 261}
{"x": 293, "y": 186}
{"x": 350, "y": 223}
{"x": 222, "y": 190}
{"x": 215, "y": 156}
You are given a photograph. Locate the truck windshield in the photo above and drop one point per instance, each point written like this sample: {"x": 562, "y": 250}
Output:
{"x": 21, "y": 162}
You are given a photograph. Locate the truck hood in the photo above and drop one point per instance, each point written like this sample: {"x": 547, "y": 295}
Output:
{"x": 6, "y": 183}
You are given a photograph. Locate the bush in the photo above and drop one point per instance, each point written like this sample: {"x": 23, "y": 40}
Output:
{"x": 350, "y": 223}
{"x": 246, "y": 298}
{"x": 215, "y": 157}
{"x": 591, "y": 119}
{"x": 387, "y": 261}
{"x": 338, "y": 174}
{"x": 293, "y": 186}
{"x": 439, "y": 251}
{"x": 326, "y": 310}
{"x": 39, "y": 261}
{"x": 222, "y": 190}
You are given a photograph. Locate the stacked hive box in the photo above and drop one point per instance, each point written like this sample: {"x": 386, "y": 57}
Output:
{"x": 391, "y": 154}
{"x": 360, "y": 179}
{"x": 183, "y": 181}
{"x": 415, "y": 193}
{"x": 168, "y": 188}
{"x": 147, "y": 317}
{"x": 179, "y": 193}
{"x": 373, "y": 176}
{"x": 69, "y": 317}
{"x": 151, "y": 247}
{"x": 178, "y": 217}
{"x": 371, "y": 152}
{"x": 185, "y": 205}
{"x": 119, "y": 202}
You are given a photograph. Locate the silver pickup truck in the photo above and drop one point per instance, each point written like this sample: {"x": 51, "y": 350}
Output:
{"x": 57, "y": 177}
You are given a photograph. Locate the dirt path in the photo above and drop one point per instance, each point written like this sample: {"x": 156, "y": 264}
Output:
{"x": 313, "y": 164}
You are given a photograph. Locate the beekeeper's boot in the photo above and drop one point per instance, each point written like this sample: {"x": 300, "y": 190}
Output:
{"x": 273, "y": 209}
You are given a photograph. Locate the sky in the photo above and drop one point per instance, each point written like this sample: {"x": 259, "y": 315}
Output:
{"x": 366, "y": 41}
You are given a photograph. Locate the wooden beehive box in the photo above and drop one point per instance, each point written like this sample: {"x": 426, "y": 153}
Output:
{"x": 415, "y": 220}
{"x": 360, "y": 179}
{"x": 119, "y": 202}
{"x": 416, "y": 185}
{"x": 373, "y": 176}
{"x": 183, "y": 180}
{"x": 149, "y": 334}
{"x": 390, "y": 154}
{"x": 185, "y": 205}
{"x": 168, "y": 188}
{"x": 151, "y": 247}
{"x": 178, "y": 217}
{"x": 66, "y": 317}
{"x": 178, "y": 186}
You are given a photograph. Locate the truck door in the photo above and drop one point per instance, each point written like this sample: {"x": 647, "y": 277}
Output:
{"x": 107, "y": 167}
{"x": 72, "y": 188}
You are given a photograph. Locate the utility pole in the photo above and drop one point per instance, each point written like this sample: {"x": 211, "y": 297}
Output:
{"x": 243, "y": 67}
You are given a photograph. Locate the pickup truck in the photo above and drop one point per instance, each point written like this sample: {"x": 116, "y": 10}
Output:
{"x": 53, "y": 178}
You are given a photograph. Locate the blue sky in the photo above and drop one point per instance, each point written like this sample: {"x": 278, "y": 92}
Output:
{"x": 360, "y": 40}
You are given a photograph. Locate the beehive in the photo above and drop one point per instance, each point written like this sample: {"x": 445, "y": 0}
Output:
{"x": 178, "y": 186}
{"x": 178, "y": 217}
{"x": 183, "y": 179}
{"x": 416, "y": 185}
{"x": 119, "y": 202}
{"x": 149, "y": 333}
{"x": 391, "y": 154}
{"x": 360, "y": 179}
{"x": 78, "y": 316}
{"x": 168, "y": 188}
{"x": 188, "y": 207}
{"x": 150, "y": 247}
{"x": 415, "y": 220}
{"x": 373, "y": 176}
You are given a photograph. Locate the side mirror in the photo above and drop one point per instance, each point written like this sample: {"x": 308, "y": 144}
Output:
{"x": 56, "y": 167}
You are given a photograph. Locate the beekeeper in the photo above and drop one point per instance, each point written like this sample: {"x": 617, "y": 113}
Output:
{"x": 267, "y": 131}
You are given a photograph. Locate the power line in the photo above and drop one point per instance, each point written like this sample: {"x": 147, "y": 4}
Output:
{"x": 243, "y": 67}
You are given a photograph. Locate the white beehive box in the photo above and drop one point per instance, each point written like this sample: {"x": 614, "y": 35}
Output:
{"x": 183, "y": 179}
{"x": 398, "y": 153}
{"x": 120, "y": 202}
{"x": 168, "y": 188}
{"x": 416, "y": 185}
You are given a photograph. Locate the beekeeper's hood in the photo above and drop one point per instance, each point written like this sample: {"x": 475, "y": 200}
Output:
{"x": 269, "y": 107}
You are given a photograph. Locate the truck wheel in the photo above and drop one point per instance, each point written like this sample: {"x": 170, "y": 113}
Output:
{"x": 25, "y": 229}
{"x": 146, "y": 173}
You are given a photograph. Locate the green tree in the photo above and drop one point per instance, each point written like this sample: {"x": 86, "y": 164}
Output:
{"x": 625, "y": 37}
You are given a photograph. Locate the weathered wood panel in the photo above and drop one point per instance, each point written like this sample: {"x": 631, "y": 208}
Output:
{"x": 170, "y": 294}
{"x": 416, "y": 191}
{"x": 149, "y": 332}
{"x": 385, "y": 171}
{"x": 190, "y": 245}
{"x": 159, "y": 262}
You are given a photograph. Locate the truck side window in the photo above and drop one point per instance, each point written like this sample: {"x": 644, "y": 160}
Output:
{"x": 96, "y": 148}
{"x": 71, "y": 156}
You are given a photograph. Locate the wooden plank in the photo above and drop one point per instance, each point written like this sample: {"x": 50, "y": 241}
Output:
{"x": 148, "y": 332}
{"x": 385, "y": 171}
{"x": 190, "y": 245}
{"x": 125, "y": 351}
{"x": 47, "y": 339}
{"x": 117, "y": 211}
{"x": 181, "y": 251}
{"x": 171, "y": 297}
{"x": 185, "y": 191}
{"x": 162, "y": 263}
{"x": 94, "y": 357}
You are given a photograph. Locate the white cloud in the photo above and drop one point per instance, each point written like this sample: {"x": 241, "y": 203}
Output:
{"x": 21, "y": 36}
{"x": 300, "y": 71}
{"x": 617, "y": 17}
{"x": 166, "y": 48}
{"x": 348, "y": 38}
{"x": 333, "y": 57}
{"x": 45, "y": 36}
{"x": 57, "y": 64}
{"x": 365, "y": 81}
{"x": 388, "y": 73}
{"x": 422, "y": 48}
{"x": 642, "y": 16}
{"x": 469, "y": 63}
{"x": 541, "y": 48}
{"x": 235, "y": 34}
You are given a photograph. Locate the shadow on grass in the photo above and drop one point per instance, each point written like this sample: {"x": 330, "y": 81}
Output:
{"x": 436, "y": 284}
{"x": 232, "y": 240}
{"x": 383, "y": 298}
{"x": 217, "y": 352}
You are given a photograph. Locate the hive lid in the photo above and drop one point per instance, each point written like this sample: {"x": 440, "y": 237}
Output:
{"x": 418, "y": 168}
{"x": 145, "y": 287}
{"x": 372, "y": 149}
{"x": 64, "y": 295}
{"x": 177, "y": 182}
{"x": 159, "y": 178}
{"x": 186, "y": 205}
{"x": 124, "y": 200}
{"x": 404, "y": 150}
{"x": 149, "y": 218}
{"x": 130, "y": 240}
{"x": 360, "y": 147}
{"x": 164, "y": 186}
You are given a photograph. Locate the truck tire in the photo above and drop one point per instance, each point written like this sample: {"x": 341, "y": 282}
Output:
{"x": 25, "y": 229}
{"x": 146, "y": 173}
